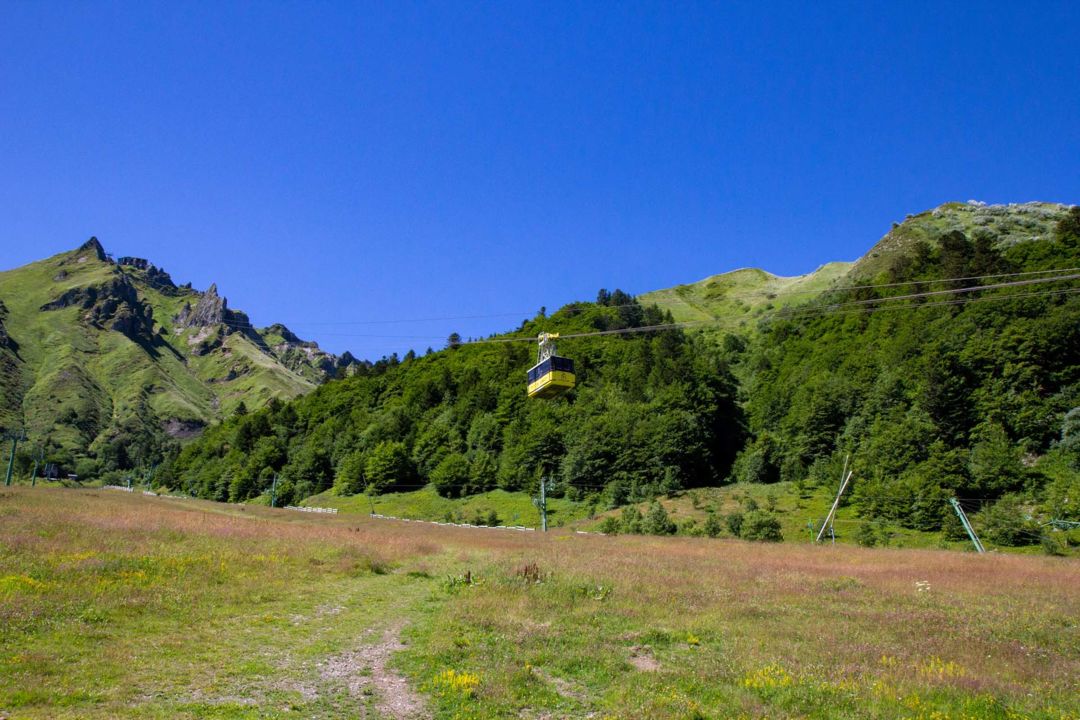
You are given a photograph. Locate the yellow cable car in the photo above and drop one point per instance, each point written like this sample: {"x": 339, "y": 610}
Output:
{"x": 551, "y": 375}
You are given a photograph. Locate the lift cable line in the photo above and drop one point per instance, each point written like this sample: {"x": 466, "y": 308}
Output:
{"x": 662, "y": 301}
{"x": 722, "y": 322}
{"x": 865, "y": 305}
{"x": 857, "y": 306}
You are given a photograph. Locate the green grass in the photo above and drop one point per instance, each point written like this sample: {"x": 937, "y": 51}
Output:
{"x": 116, "y": 605}
{"x": 793, "y": 509}
{"x": 1017, "y": 223}
{"x": 111, "y": 617}
{"x": 734, "y": 299}
{"x": 513, "y": 508}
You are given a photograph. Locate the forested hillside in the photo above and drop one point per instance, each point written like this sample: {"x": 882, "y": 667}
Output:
{"x": 653, "y": 412}
{"x": 967, "y": 394}
{"x": 924, "y": 362}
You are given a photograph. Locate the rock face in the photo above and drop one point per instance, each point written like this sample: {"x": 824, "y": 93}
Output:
{"x": 92, "y": 245}
{"x": 287, "y": 335}
{"x": 210, "y": 310}
{"x": 302, "y": 356}
{"x": 154, "y": 276}
{"x": 182, "y": 429}
{"x": 114, "y": 305}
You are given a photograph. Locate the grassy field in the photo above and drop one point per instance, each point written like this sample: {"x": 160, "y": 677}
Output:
{"x": 511, "y": 508}
{"x": 794, "y": 509}
{"x": 116, "y": 605}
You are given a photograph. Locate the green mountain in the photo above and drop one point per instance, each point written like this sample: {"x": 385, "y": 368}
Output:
{"x": 734, "y": 301}
{"x": 943, "y": 363}
{"x": 959, "y": 392}
{"x": 107, "y": 362}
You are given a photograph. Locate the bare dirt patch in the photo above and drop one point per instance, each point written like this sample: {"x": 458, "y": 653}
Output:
{"x": 365, "y": 670}
{"x": 642, "y": 658}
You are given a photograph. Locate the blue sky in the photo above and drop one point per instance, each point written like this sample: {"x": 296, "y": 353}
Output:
{"x": 329, "y": 164}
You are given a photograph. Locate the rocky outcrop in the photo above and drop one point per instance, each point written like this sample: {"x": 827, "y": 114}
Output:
{"x": 114, "y": 305}
{"x": 286, "y": 334}
{"x": 305, "y": 357}
{"x": 182, "y": 429}
{"x": 154, "y": 276}
{"x": 93, "y": 246}
{"x": 210, "y": 310}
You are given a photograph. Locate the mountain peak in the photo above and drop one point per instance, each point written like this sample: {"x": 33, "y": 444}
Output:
{"x": 93, "y": 245}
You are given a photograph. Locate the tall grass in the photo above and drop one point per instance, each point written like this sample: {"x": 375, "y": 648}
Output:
{"x": 113, "y": 605}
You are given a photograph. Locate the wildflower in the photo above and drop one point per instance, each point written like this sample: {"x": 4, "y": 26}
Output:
{"x": 455, "y": 683}
{"x": 768, "y": 677}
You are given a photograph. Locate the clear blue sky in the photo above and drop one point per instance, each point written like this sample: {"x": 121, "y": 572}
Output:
{"x": 328, "y": 163}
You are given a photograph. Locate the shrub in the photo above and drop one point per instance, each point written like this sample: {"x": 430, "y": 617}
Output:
{"x": 866, "y": 535}
{"x": 735, "y": 523}
{"x": 763, "y": 526}
{"x": 1051, "y": 545}
{"x": 610, "y": 526}
{"x": 1005, "y": 523}
{"x": 631, "y": 520}
{"x": 657, "y": 521}
{"x": 712, "y": 526}
{"x": 451, "y": 475}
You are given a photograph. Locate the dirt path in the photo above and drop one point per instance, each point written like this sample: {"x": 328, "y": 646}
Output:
{"x": 365, "y": 671}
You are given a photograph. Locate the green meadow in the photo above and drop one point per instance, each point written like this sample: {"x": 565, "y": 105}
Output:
{"x": 118, "y": 605}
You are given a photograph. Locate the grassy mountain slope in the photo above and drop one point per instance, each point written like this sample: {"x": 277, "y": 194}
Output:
{"x": 1007, "y": 225}
{"x": 735, "y": 299}
{"x": 106, "y": 361}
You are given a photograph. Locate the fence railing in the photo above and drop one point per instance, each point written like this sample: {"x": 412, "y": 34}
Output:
{"x": 519, "y": 528}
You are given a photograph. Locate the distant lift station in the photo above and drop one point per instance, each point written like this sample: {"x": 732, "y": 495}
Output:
{"x": 552, "y": 375}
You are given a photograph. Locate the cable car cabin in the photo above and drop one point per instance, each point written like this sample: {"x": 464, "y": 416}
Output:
{"x": 551, "y": 377}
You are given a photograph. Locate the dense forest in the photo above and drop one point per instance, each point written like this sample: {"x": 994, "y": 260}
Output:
{"x": 973, "y": 394}
{"x": 653, "y": 412}
{"x": 932, "y": 397}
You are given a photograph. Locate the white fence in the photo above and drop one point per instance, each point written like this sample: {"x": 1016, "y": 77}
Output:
{"x": 330, "y": 511}
{"x": 519, "y": 528}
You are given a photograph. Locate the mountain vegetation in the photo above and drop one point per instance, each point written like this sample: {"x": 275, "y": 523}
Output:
{"x": 654, "y": 412}
{"x": 108, "y": 365}
{"x": 944, "y": 363}
{"x": 966, "y": 393}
